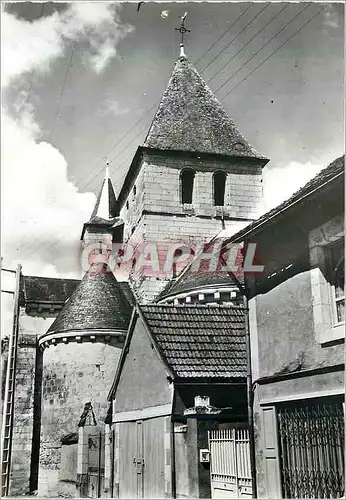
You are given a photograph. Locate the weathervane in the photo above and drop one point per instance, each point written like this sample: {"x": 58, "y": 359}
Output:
{"x": 183, "y": 30}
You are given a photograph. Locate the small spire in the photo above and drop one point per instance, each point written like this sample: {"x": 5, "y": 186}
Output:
{"x": 107, "y": 171}
{"x": 183, "y": 30}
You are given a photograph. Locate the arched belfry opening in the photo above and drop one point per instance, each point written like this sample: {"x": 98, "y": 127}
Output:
{"x": 219, "y": 180}
{"x": 187, "y": 178}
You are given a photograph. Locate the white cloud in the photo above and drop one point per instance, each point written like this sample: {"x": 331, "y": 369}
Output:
{"x": 28, "y": 46}
{"x": 279, "y": 183}
{"x": 42, "y": 212}
{"x": 331, "y": 19}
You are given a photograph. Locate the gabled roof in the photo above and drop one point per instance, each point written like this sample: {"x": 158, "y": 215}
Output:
{"x": 335, "y": 170}
{"x": 199, "y": 341}
{"x": 98, "y": 303}
{"x": 36, "y": 289}
{"x": 190, "y": 118}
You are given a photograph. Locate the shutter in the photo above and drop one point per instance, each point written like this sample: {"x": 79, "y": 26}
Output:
{"x": 271, "y": 453}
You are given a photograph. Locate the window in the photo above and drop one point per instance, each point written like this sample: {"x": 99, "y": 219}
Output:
{"x": 219, "y": 188}
{"x": 187, "y": 178}
{"x": 337, "y": 279}
{"x": 134, "y": 190}
{"x": 127, "y": 205}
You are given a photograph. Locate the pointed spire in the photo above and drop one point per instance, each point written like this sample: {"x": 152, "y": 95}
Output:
{"x": 190, "y": 118}
{"x": 106, "y": 206}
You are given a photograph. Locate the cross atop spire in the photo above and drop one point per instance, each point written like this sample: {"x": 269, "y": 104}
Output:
{"x": 183, "y": 30}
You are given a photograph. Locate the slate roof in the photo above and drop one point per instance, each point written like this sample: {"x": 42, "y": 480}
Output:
{"x": 191, "y": 279}
{"x": 190, "y": 118}
{"x": 106, "y": 202}
{"x": 57, "y": 290}
{"x": 334, "y": 169}
{"x": 199, "y": 341}
{"x": 98, "y": 302}
{"x": 40, "y": 289}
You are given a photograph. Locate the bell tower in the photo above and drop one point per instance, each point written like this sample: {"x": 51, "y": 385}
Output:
{"x": 195, "y": 175}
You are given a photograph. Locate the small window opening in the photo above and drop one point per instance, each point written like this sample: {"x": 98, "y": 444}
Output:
{"x": 337, "y": 274}
{"x": 127, "y": 205}
{"x": 219, "y": 189}
{"x": 134, "y": 190}
{"x": 187, "y": 180}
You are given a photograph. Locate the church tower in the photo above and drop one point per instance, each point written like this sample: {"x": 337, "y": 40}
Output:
{"x": 194, "y": 175}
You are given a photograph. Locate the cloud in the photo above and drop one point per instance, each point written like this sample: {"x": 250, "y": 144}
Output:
{"x": 279, "y": 183}
{"x": 42, "y": 211}
{"x": 33, "y": 46}
{"x": 331, "y": 18}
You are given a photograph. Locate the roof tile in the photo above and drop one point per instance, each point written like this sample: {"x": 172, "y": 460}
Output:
{"x": 199, "y": 341}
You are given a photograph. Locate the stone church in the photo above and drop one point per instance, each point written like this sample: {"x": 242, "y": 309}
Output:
{"x": 194, "y": 180}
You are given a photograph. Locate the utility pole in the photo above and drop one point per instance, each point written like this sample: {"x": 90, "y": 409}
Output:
{"x": 8, "y": 404}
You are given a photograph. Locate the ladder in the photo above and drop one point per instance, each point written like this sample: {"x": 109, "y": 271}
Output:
{"x": 8, "y": 403}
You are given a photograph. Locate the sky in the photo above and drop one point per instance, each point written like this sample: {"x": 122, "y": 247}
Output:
{"x": 81, "y": 83}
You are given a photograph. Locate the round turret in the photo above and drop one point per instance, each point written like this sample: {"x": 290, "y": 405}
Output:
{"x": 80, "y": 355}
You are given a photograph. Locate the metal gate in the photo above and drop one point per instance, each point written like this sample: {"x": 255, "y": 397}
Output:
{"x": 230, "y": 470}
{"x": 96, "y": 465}
{"x": 312, "y": 442}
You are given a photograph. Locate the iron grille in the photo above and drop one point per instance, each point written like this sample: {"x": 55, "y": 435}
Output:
{"x": 312, "y": 444}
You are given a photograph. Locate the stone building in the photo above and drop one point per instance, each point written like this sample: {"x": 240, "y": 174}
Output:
{"x": 194, "y": 175}
{"x": 297, "y": 331}
{"x": 194, "y": 179}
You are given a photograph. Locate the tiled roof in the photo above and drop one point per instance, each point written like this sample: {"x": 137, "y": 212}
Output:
{"x": 41, "y": 289}
{"x": 337, "y": 167}
{"x": 199, "y": 341}
{"x": 98, "y": 302}
{"x": 190, "y": 118}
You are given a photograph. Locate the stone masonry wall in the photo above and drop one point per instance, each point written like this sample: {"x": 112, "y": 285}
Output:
{"x": 153, "y": 211}
{"x": 23, "y": 420}
{"x": 73, "y": 374}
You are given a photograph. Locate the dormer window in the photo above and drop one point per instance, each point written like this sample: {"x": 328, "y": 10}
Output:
{"x": 187, "y": 178}
{"x": 219, "y": 188}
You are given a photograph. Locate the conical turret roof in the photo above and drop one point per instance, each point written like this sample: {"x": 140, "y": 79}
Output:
{"x": 190, "y": 118}
{"x": 106, "y": 207}
{"x": 97, "y": 303}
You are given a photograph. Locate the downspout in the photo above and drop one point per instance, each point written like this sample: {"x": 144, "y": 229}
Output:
{"x": 250, "y": 399}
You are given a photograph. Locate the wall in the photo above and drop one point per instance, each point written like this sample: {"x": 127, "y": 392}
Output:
{"x": 73, "y": 374}
{"x": 155, "y": 212}
{"x": 143, "y": 380}
{"x": 22, "y": 461}
{"x": 285, "y": 343}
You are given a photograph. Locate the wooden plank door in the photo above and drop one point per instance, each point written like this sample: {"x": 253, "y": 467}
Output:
{"x": 154, "y": 458}
{"x": 129, "y": 478}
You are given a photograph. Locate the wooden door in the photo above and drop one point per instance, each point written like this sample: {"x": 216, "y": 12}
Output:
{"x": 154, "y": 458}
{"x": 130, "y": 469}
{"x": 142, "y": 459}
